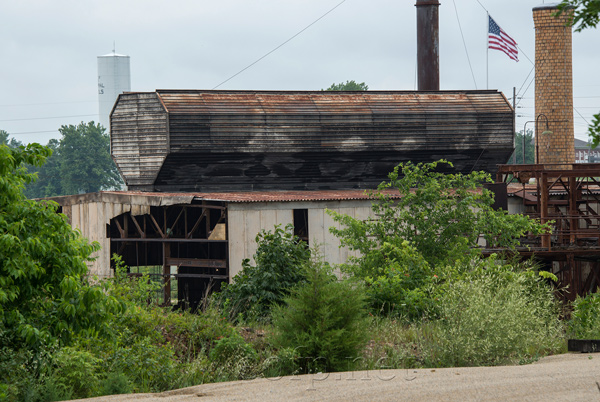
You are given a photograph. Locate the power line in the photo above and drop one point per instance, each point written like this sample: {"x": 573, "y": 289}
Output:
{"x": 464, "y": 43}
{"x": 262, "y": 57}
{"x": 46, "y": 103}
{"x": 34, "y": 132}
{"x": 48, "y": 118}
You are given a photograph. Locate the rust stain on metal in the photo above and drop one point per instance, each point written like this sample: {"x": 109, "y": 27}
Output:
{"x": 194, "y": 140}
{"x": 428, "y": 68}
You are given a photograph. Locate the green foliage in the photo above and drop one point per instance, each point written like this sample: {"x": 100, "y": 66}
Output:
{"x": 594, "y": 130}
{"x": 49, "y": 175}
{"x": 230, "y": 348}
{"x": 11, "y": 143}
{"x": 80, "y": 163}
{"x": 585, "y": 13}
{"x": 441, "y": 215}
{"x": 400, "y": 283}
{"x": 529, "y": 148}
{"x": 348, "y": 86}
{"x": 498, "y": 314}
{"x": 140, "y": 291}
{"x": 86, "y": 163}
{"x": 585, "y": 318}
{"x": 115, "y": 383}
{"x": 76, "y": 371}
{"x": 45, "y": 295}
{"x": 278, "y": 258}
{"x": 323, "y": 320}
{"x": 435, "y": 225}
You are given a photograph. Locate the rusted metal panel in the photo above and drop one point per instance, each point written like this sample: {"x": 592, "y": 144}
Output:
{"x": 261, "y": 140}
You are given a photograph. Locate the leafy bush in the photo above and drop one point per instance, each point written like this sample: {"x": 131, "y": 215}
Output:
{"x": 140, "y": 291}
{"x": 45, "y": 295}
{"x": 498, "y": 314}
{"x": 323, "y": 320}
{"x": 115, "y": 383}
{"x": 401, "y": 285}
{"x": 255, "y": 289}
{"x": 232, "y": 347}
{"x": 585, "y": 318}
{"x": 76, "y": 370}
{"x": 434, "y": 225}
{"x": 441, "y": 215}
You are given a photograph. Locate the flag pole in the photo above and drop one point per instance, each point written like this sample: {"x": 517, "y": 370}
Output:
{"x": 487, "y": 51}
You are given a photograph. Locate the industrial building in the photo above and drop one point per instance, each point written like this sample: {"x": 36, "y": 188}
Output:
{"x": 207, "y": 170}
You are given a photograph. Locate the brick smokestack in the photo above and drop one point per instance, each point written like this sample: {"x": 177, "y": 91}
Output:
{"x": 553, "y": 86}
{"x": 428, "y": 59}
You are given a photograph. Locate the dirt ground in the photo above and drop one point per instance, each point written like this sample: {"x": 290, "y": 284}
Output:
{"x": 568, "y": 377}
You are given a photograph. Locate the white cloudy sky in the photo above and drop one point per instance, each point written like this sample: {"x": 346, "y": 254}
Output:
{"x": 48, "y": 71}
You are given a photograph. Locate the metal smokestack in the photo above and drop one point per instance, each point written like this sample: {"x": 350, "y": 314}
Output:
{"x": 428, "y": 59}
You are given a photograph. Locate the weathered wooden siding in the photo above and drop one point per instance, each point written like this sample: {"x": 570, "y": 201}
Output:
{"x": 139, "y": 137}
{"x": 91, "y": 219}
{"x": 247, "y": 219}
{"x": 249, "y": 140}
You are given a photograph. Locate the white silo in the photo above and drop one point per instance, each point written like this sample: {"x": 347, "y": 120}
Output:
{"x": 113, "y": 78}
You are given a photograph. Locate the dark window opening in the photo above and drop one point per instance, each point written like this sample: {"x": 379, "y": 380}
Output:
{"x": 301, "y": 224}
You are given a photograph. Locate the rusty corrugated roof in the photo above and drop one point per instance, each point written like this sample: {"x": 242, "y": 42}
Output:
{"x": 265, "y": 196}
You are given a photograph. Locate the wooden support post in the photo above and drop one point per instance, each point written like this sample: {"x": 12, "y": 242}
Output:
{"x": 543, "y": 194}
{"x": 166, "y": 273}
{"x": 573, "y": 210}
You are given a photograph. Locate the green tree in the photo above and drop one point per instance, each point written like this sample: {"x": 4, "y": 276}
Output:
{"x": 48, "y": 183}
{"x": 348, "y": 86}
{"x": 45, "y": 296}
{"x": 529, "y": 148}
{"x": 442, "y": 215}
{"x": 436, "y": 222}
{"x": 586, "y": 13}
{"x": 4, "y": 140}
{"x": 85, "y": 161}
{"x": 323, "y": 320}
{"x": 279, "y": 258}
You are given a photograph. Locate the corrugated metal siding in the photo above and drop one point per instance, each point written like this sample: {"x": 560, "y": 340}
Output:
{"x": 318, "y": 121}
{"x": 249, "y": 140}
{"x": 139, "y": 136}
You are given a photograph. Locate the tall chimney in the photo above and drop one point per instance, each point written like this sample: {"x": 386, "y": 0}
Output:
{"x": 553, "y": 86}
{"x": 428, "y": 59}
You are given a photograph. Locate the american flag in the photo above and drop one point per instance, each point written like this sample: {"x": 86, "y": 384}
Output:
{"x": 499, "y": 40}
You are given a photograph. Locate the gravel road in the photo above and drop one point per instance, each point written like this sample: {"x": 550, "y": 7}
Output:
{"x": 568, "y": 377}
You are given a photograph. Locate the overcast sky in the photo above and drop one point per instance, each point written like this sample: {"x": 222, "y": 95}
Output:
{"x": 48, "y": 73}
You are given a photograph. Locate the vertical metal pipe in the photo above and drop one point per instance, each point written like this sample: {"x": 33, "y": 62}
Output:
{"x": 428, "y": 65}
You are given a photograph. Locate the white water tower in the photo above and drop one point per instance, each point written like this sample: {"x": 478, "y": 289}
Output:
{"x": 113, "y": 78}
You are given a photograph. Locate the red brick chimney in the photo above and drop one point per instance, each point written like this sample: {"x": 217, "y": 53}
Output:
{"x": 553, "y": 86}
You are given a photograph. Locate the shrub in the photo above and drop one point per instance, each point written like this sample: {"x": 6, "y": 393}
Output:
{"x": 255, "y": 289}
{"x": 76, "y": 371}
{"x": 323, "y": 320}
{"x": 401, "y": 286}
{"x": 499, "y": 315}
{"x": 233, "y": 347}
{"x": 585, "y": 318}
{"x": 115, "y": 383}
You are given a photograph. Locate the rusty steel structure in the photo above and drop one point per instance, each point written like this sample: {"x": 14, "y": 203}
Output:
{"x": 428, "y": 43}
{"x": 199, "y": 141}
{"x": 190, "y": 238}
{"x": 568, "y": 197}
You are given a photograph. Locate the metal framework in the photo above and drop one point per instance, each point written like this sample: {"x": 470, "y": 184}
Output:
{"x": 192, "y": 238}
{"x": 567, "y": 196}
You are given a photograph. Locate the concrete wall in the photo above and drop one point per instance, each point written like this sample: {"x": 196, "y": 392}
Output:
{"x": 246, "y": 220}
